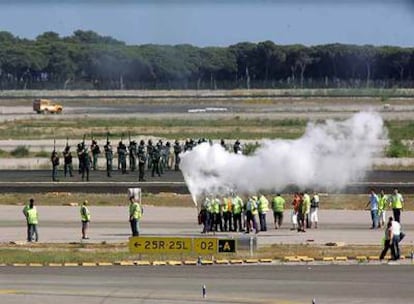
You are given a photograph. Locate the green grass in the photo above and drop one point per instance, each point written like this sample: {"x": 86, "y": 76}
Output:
{"x": 398, "y": 149}
{"x": 20, "y": 152}
{"x": 168, "y": 128}
{"x": 400, "y": 130}
{"x": 34, "y": 255}
{"x": 78, "y": 253}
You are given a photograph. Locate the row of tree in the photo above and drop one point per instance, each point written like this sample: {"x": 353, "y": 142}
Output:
{"x": 86, "y": 60}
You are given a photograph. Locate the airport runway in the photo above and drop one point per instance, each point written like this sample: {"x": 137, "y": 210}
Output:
{"x": 39, "y": 181}
{"x": 380, "y": 284}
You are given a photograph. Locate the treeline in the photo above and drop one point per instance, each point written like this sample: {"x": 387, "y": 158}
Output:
{"x": 86, "y": 60}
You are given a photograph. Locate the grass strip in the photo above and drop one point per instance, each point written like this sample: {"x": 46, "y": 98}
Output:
{"x": 94, "y": 253}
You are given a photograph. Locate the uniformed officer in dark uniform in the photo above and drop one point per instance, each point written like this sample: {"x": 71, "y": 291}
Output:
{"x": 95, "y": 153}
{"x": 161, "y": 164}
{"x": 132, "y": 155}
{"x": 122, "y": 154}
{"x": 85, "y": 161}
{"x": 54, "y": 158}
{"x": 141, "y": 165}
{"x": 109, "y": 157}
{"x": 79, "y": 150}
{"x": 67, "y": 157}
{"x": 237, "y": 147}
{"x": 155, "y": 161}
{"x": 150, "y": 150}
{"x": 177, "y": 151}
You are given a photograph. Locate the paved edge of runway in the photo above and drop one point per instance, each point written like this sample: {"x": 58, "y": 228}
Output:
{"x": 287, "y": 260}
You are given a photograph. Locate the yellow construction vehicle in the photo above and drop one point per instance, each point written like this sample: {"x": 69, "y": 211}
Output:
{"x": 46, "y": 106}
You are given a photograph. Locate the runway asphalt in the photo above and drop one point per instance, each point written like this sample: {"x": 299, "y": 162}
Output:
{"x": 37, "y": 181}
{"x": 380, "y": 284}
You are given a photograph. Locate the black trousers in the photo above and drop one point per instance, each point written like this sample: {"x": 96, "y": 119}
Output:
{"x": 397, "y": 214}
{"x": 387, "y": 245}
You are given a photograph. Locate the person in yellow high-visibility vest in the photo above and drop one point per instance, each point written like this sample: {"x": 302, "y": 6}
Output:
{"x": 263, "y": 208}
{"x": 25, "y": 209}
{"x": 237, "y": 206}
{"x": 382, "y": 208}
{"x": 135, "y": 215}
{"x": 251, "y": 212}
{"x": 397, "y": 204}
{"x": 32, "y": 220}
{"x": 217, "y": 220}
{"x": 307, "y": 207}
{"x": 85, "y": 218}
{"x": 226, "y": 208}
{"x": 278, "y": 206}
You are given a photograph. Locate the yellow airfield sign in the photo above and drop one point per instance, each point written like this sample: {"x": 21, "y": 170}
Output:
{"x": 205, "y": 245}
{"x": 159, "y": 245}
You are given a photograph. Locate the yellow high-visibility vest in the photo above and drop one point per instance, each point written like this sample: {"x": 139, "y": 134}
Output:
{"x": 32, "y": 216}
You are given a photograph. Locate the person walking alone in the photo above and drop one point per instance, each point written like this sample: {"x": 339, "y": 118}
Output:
{"x": 387, "y": 242}
{"x": 32, "y": 220}
{"x": 135, "y": 215}
{"x": 85, "y": 218}
{"x": 26, "y": 215}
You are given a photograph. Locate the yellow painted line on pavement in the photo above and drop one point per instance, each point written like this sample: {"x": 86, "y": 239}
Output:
{"x": 341, "y": 259}
{"x": 221, "y": 262}
{"x": 159, "y": 263}
{"x": 265, "y": 260}
{"x": 126, "y": 263}
{"x": 361, "y": 258}
{"x": 236, "y": 261}
{"x": 291, "y": 259}
{"x": 8, "y": 291}
{"x": 142, "y": 263}
{"x": 105, "y": 264}
{"x": 19, "y": 264}
{"x": 308, "y": 259}
{"x": 190, "y": 262}
{"x": 3, "y": 265}
{"x": 328, "y": 259}
{"x": 373, "y": 258}
{"x": 174, "y": 263}
{"x": 88, "y": 264}
{"x": 206, "y": 262}
{"x": 35, "y": 265}
{"x": 55, "y": 264}
{"x": 70, "y": 264}
{"x": 251, "y": 261}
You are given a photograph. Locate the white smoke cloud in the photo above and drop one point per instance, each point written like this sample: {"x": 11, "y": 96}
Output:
{"x": 329, "y": 155}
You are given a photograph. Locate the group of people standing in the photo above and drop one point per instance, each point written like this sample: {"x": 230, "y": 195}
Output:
{"x": 232, "y": 213}
{"x": 378, "y": 205}
{"x": 136, "y": 212}
{"x": 305, "y": 211}
{"x": 393, "y": 234}
{"x": 143, "y": 157}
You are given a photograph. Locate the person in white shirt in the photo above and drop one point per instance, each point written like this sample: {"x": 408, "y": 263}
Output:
{"x": 396, "y": 231}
